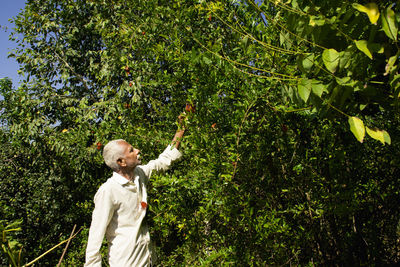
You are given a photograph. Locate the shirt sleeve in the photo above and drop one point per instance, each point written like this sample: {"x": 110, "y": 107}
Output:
{"x": 163, "y": 162}
{"x": 101, "y": 217}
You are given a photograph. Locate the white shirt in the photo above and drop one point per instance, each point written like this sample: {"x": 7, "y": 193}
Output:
{"x": 120, "y": 206}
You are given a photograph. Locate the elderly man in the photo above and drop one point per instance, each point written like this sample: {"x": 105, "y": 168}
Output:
{"x": 121, "y": 203}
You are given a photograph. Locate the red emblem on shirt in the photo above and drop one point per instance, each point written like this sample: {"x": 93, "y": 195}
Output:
{"x": 143, "y": 204}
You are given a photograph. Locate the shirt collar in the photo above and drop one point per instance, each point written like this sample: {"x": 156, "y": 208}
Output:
{"x": 119, "y": 179}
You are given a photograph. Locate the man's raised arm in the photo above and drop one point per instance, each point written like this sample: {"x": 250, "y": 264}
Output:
{"x": 170, "y": 154}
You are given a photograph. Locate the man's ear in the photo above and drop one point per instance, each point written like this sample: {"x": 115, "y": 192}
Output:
{"x": 121, "y": 162}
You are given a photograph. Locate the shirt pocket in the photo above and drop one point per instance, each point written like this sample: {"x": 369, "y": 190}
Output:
{"x": 127, "y": 198}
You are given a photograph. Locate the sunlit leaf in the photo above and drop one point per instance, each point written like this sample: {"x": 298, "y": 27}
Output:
{"x": 376, "y": 134}
{"x": 346, "y": 81}
{"x": 357, "y": 128}
{"x": 304, "y": 87}
{"x": 362, "y": 45}
{"x": 389, "y": 23}
{"x": 330, "y": 58}
{"x": 386, "y": 137}
{"x": 343, "y": 81}
{"x": 305, "y": 62}
{"x": 390, "y": 64}
{"x": 318, "y": 88}
{"x": 371, "y": 9}
{"x": 316, "y": 21}
{"x": 380, "y": 135}
{"x": 207, "y": 60}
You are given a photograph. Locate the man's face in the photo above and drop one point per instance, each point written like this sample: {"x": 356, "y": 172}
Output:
{"x": 131, "y": 156}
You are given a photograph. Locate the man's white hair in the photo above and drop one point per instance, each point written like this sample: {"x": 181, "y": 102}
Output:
{"x": 112, "y": 152}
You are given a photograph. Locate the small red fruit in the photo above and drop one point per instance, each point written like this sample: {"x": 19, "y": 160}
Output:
{"x": 99, "y": 145}
{"x": 214, "y": 125}
{"x": 130, "y": 84}
{"x": 209, "y": 18}
{"x": 143, "y": 204}
{"x": 190, "y": 108}
{"x": 143, "y": 33}
{"x": 127, "y": 71}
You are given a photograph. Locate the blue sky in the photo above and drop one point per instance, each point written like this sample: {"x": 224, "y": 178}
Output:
{"x": 8, "y": 66}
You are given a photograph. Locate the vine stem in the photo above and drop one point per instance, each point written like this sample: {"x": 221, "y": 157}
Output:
{"x": 283, "y": 76}
{"x": 338, "y": 110}
{"x": 284, "y": 28}
{"x": 245, "y": 33}
{"x": 238, "y": 138}
{"x": 246, "y": 114}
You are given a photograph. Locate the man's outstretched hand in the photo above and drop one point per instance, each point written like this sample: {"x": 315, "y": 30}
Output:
{"x": 181, "y": 130}
{"x": 182, "y": 118}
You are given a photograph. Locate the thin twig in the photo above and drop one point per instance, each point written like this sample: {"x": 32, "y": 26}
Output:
{"x": 73, "y": 71}
{"x": 48, "y": 251}
{"x": 66, "y": 246}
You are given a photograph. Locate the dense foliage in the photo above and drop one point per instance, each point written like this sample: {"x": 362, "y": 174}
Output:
{"x": 271, "y": 173}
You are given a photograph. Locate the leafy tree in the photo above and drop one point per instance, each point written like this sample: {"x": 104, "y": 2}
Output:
{"x": 315, "y": 49}
{"x": 270, "y": 174}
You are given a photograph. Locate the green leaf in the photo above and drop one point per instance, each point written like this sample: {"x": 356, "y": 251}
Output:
{"x": 345, "y": 57}
{"x": 245, "y": 40}
{"x": 376, "y": 48}
{"x": 362, "y": 45}
{"x": 314, "y": 20}
{"x": 357, "y": 128}
{"x": 386, "y": 136}
{"x": 318, "y": 88}
{"x": 346, "y": 81}
{"x": 207, "y": 60}
{"x": 376, "y": 134}
{"x": 304, "y": 87}
{"x": 390, "y": 64}
{"x": 305, "y": 62}
{"x": 330, "y": 57}
{"x": 283, "y": 39}
{"x": 389, "y": 23}
{"x": 395, "y": 84}
{"x": 380, "y": 135}
{"x": 343, "y": 81}
{"x": 371, "y": 9}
